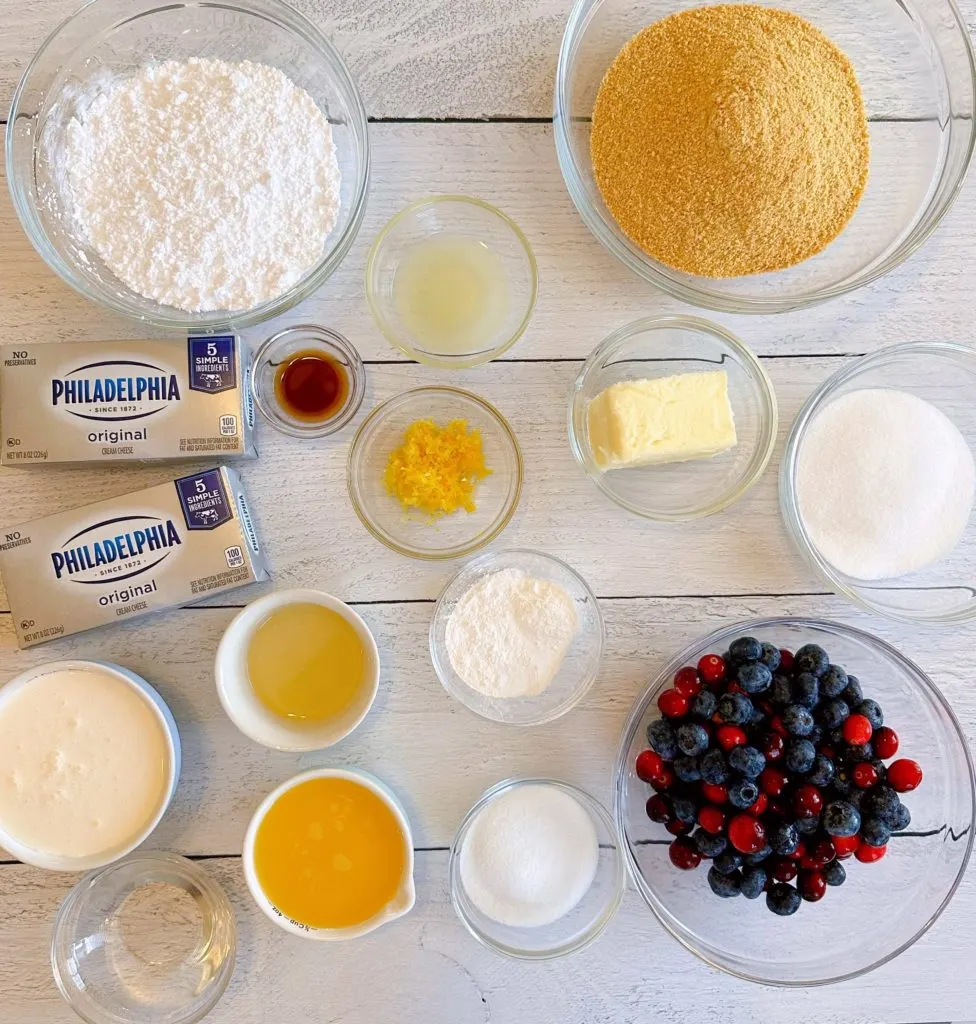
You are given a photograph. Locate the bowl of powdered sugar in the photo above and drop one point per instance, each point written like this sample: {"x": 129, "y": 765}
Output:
{"x": 195, "y": 166}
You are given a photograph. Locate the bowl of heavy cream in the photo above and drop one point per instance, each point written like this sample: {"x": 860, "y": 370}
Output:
{"x": 89, "y": 760}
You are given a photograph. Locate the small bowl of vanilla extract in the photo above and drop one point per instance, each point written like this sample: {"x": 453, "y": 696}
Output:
{"x": 308, "y": 381}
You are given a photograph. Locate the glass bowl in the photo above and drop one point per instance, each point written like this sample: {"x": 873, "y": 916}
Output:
{"x": 282, "y": 346}
{"x": 148, "y": 940}
{"x": 584, "y": 923}
{"x": 118, "y": 36}
{"x": 661, "y": 347}
{"x": 883, "y": 907}
{"x": 577, "y": 672}
{"x": 413, "y": 533}
{"x": 451, "y": 216}
{"x": 945, "y": 375}
{"x": 916, "y": 69}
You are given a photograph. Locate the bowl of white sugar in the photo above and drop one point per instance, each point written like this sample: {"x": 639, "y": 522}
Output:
{"x": 194, "y": 166}
{"x": 878, "y": 482}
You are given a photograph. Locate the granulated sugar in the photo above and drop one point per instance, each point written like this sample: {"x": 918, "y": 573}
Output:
{"x": 203, "y": 184}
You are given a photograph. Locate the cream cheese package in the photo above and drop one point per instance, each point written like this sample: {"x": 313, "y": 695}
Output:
{"x": 124, "y": 557}
{"x": 119, "y": 401}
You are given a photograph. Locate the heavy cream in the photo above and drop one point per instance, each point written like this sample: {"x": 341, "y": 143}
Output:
{"x": 84, "y": 763}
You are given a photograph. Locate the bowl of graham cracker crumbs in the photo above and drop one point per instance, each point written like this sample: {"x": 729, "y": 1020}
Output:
{"x": 757, "y": 157}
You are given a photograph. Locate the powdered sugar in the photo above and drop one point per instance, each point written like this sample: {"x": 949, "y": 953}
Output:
{"x": 203, "y": 184}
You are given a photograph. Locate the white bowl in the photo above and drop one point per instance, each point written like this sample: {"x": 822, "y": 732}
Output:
{"x": 167, "y": 724}
{"x": 401, "y": 904}
{"x": 249, "y": 714}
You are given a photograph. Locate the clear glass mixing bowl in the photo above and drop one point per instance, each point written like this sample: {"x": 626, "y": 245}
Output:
{"x": 882, "y": 908}
{"x": 115, "y": 37}
{"x": 915, "y": 63}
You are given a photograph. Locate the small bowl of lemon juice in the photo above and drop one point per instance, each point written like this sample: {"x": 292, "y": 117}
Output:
{"x": 451, "y": 281}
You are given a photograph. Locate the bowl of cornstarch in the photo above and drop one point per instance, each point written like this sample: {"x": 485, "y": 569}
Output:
{"x": 517, "y": 636}
{"x": 194, "y": 166}
{"x": 878, "y": 482}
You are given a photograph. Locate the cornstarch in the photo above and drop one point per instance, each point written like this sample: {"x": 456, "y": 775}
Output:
{"x": 203, "y": 184}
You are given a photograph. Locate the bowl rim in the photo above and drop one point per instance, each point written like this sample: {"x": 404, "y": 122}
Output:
{"x": 716, "y": 638}
{"x": 387, "y": 328}
{"x": 208, "y": 322}
{"x": 445, "y": 672}
{"x": 596, "y": 810}
{"x": 700, "y": 294}
{"x": 403, "y": 901}
{"x": 788, "y": 502}
{"x": 769, "y": 416}
{"x": 376, "y": 414}
{"x": 229, "y": 680}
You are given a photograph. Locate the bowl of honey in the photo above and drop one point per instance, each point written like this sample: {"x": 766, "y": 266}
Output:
{"x": 328, "y": 855}
{"x": 297, "y": 670}
{"x": 308, "y": 381}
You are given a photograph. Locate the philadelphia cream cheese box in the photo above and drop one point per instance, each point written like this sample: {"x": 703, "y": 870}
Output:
{"x": 116, "y": 401}
{"x": 128, "y": 556}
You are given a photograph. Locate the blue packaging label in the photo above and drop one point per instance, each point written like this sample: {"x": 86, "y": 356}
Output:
{"x": 213, "y": 363}
{"x": 204, "y": 500}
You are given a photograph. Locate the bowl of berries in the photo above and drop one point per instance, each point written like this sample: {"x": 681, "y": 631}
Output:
{"x": 796, "y": 801}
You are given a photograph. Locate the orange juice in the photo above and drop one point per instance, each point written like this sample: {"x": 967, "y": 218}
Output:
{"x": 330, "y": 853}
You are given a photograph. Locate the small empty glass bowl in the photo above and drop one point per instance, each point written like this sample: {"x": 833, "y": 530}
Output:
{"x": 446, "y": 217}
{"x": 664, "y": 347}
{"x": 882, "y": 908}
{"x": 577, "y": 672}
{"x": 278, "y": 349}
{"x": 147, "y": 940}
{"x": 412, "y": 532}
{"x": 574, "y": 930}
{"x": 945, "y": 375}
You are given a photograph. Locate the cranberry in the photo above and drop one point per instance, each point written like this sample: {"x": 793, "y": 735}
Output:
{"x": 776, "y": 807}
{"x": 747, "y": 834}
{"x": 800, "y": 852}
{"x": 734, "y": 688}
{"x": 714, "y": 794}
{"x": 772, "y": 746}
{"x": 686, "y": 682}
{"x": 711, "y": 819}
{"x": 759, "y": 807}
{"x": 649, "y": 765}
{"x": 677, "y": 828}
{"x": 869, "y": 854}
{"x": 784, "y": 869}
{"x": 772, "y": 781}
{"x": 857, "y": 730}
{"x": 844, "y": 846}
{"x": 865, "y": 775}
{"x": 904, "y": 775}
{"x": 885, "y": 742}
{"x": 828, "y": 752}
{"x": 730, "y": 736}
{"x": 684, "y": 854}
{"x": 712, "y": 669}
{"x": 674, "y": 704}
{"x": 812, "y": 886}
{"x": 776, "y": 724}
{"x": 822, "y": 852}
{"x": 664, "y": 780}
{"x": 659, "y": 808}
{"x": 807, "y": 801}
{"x": 785, "y": 660}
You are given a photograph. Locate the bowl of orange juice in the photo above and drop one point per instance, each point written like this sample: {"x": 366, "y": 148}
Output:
{"x": 328, "y": 855}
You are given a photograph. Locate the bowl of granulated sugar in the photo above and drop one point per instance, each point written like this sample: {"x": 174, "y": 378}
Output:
{"x": 198, "y": 167}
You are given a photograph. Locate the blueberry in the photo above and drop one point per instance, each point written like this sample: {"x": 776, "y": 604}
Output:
{"x": 754, "y": 677}
{"x": 705, "y": 704}
{"x": 834, "y": 873}
{"x": 685, "y": 809}
{"x": 784, "y": 839}
{"x": 783, "y": 899}
{"x": 882, "y": 802}
{"x": 782, "y": 692}
{"x": 798, "y": 720}
{"x": 746, "y": 648}
{"x": 743, "y": 794}
{"x": 856, "y": 798}
{"x": 752, "y": 859}
{"x": 900, "y": 820}
{"x": 661, "y": 739}
{"x": 811, "y": 658}
{"x": 842, "y": 784}
{"x": 753, "y": 883}
{"x": 875, "y": 832}
{"x": 823, "y": 770}
{"x": 756, "y": 719}
{"x": 806, "y": 690}
{"x": 734, "y": 708}
{"x": 724, "y": 885}
{"x": 800, "y": 755}
{"x": 835, "y": 737}
{"x": 833, "y": 714}
{"x": 841, "y": 818}
{"x": 747, "y": 761}
{"x": 815, "y": 735}
{"x": 771, "y": 657}
{"x": 833, "y": 682}
{"x": 713, "y": 767}
{"x": 858, "y": 752}
{"x": 871, "y": 710}
{"x": 807, "y": 826}
{"x": 728, "y": 862}
{"x": 853, "y": 693}
{"x": 692, "y": 738}
{"x": 709, "y": 845}
{"x": 881, "y": 768}
{"x": 687, "y": 768}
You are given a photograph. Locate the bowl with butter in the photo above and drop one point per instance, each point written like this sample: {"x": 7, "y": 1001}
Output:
{"x": 673, "y": 418}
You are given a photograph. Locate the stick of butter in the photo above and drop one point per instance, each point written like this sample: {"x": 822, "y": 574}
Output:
{"x": 669, "y": 419}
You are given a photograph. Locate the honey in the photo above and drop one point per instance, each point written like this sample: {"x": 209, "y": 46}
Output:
{"x": 330, "y": 853}
{"x": 306, "y": 663}
{"x": 311, "y": 385}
